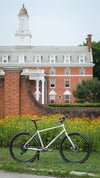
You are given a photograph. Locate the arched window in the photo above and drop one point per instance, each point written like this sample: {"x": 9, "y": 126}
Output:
{"x": 67, "y": 96}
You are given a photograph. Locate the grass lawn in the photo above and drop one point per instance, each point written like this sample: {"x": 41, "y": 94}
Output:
{"x": 50, "y": 163}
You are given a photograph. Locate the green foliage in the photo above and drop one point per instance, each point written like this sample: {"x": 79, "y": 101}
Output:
{"x": 13, "y": 125}
{"x": 96, "y": 58}
{"x": 88, "y": 91}
{"x": 75, "y": 105}
{"x": 51, "y": 164}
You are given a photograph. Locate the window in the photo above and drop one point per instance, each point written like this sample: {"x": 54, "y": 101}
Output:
{"x": 52, "y": 71}
{"x": 5, "y": 59}
{"x": 67, "y": 84}
{"x": 67, "y": 71}
{"x": 82, "y": 59}
{"x": 52, "y": 96}
{"x": 38, "y": 59}
{"x": 22, "y": 58}
{"x": 67, "y": 98}
{"x": 52, "y": 99}
{"x": 60, "y": 97}
{"x": 82, "y": 71}
{"x": 67, "y": 59}
{"x": 53, "y": 59}
{"x": 52, "y": 84}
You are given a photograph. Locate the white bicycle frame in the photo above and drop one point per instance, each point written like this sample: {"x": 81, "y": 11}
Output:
{"x": 45, "y": 148}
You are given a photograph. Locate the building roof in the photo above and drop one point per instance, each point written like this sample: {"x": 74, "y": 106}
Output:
{"x": 51, "y": 49}
{"x": 13, "y": 54}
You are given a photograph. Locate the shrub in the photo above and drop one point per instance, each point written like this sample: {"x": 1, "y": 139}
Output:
{"x": 75, "y": 105}
{"x": 15, "y": 124}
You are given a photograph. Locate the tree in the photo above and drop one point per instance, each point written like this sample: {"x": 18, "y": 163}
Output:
{"x": 96, "y": 58}
{"x": 88, "y": 91}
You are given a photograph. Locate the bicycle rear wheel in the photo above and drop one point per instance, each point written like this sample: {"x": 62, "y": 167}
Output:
{"x": 17, "y": 150}
{"x": 82, "y": 148}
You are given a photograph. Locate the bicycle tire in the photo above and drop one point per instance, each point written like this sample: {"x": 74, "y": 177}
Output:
{"x": 18, "y": 152}
{"x": 82, "y": 148}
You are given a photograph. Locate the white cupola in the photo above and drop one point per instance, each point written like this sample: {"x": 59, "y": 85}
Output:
{"x": 23, "y": 35}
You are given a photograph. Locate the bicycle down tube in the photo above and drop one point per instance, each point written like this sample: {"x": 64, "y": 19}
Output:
{"x": 38, "y": 133}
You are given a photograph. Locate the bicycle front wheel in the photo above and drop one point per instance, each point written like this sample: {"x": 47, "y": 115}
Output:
{"x": 80, "y": 153}
{"x": 17, "y": 150}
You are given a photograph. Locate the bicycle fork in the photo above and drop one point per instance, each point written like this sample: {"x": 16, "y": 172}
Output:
{"x": 73, "y": 145}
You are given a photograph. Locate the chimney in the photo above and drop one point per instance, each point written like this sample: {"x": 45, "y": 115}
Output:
{"x": 88, "y": 40}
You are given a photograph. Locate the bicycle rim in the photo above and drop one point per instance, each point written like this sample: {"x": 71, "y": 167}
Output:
{"x": 82, "y": 148}
{"x": 17, "y": 150}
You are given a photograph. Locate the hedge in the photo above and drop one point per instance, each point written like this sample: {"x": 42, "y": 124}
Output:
{"x": 75, "y": 105}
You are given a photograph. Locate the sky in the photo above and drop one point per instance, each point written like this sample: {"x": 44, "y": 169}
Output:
{"x": 51, "y": 22}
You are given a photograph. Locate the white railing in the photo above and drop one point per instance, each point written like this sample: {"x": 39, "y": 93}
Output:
{"x": 31, "y": 71}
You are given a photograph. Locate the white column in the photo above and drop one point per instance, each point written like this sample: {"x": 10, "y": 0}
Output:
{"x": 37, "y": 90}
{"x": 43, "y": 91}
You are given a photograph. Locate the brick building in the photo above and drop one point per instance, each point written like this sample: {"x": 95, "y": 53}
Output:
{"x": 52, "y": 72}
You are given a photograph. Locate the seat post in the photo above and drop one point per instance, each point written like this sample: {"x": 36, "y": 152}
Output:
{"x": 35, "y": 125}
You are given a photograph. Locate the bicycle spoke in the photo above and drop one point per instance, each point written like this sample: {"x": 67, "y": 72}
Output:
{"x": 78, "y": 154}
{"x": 21, "y": 153}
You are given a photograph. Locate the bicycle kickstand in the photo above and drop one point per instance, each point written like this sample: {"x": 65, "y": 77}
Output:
{"x": 38, "y": 157}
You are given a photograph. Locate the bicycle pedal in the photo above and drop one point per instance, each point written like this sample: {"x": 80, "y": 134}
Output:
{"x": 50, "y": 150}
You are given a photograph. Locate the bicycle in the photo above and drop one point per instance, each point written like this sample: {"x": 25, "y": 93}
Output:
{"x": 74, "y": 147}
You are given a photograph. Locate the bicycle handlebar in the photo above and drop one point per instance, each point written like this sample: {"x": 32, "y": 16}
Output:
{"x": 62, "y": 119}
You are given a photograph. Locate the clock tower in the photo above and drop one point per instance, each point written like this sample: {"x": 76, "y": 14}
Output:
{"x": 23, "y": 35}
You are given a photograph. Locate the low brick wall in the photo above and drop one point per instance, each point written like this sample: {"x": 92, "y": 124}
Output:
{"x": 73, "y": 112}
{"x": 2, "y": 97}
{"x": 81, "y": 112}
{"x": 18, "y": 99}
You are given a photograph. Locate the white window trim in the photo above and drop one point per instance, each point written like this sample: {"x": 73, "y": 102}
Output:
{"x": 52, "y": 92}
{"x": 67, "y": 92}
{"x": 21, "y": 58}
{"x": 4, "y": 58}
{"x": 67, "y": 57}
{"x": 69, "y": 72}
{"x": 82, "y": 74}
{"x": 50, "y": 83}
{"x": 69, "y": 84}
{"x": 67, "y": 99}
{"x": 83, "y": 58}
{"x": 52, "y": 99}
{"x": 50, "y": 71}
{"x": 54, "y": 57}
{"x": 38, "y": 62}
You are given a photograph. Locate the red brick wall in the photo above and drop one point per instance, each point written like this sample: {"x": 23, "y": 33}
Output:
{"x": 1, "y": 97}
{"x": 26, "y": 105}
{"x": 11, "y": 92}
{"x": 74, "y": 79}
{"x": 29, "y": 105}
{"x": 17, "y": 92}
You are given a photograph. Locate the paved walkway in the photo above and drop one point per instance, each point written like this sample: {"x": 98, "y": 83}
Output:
{"x": 17, "y": 175}
{"x": 20, "y": 175}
